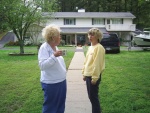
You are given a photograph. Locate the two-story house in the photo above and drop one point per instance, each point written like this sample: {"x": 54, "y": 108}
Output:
{"x": 75, "y": 25}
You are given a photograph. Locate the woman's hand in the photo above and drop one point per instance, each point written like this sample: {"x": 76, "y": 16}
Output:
{"x": 58, "y": 53}
{"x": 84, "y": 78}
{"x": 93, "y": 82}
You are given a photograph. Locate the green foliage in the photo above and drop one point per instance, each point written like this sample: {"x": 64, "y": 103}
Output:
{"x": 20, "y": 81}
{"x": 124, "y": 87}
{"x": 19, "y": 15}
{"x": 140, "y": 8}
{"x": 125, "y": 83}
{"x": 12, "y": 43}
{"x": 62, "y": 42}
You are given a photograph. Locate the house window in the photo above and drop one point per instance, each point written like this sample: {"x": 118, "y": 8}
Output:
{"x": 108, "y": 21}
{"x": 69, "y": 21}
{"x": 98, "y": 21}
{"x": 117, "y": 21}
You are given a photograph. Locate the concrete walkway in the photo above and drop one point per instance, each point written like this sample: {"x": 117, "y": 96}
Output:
{"x": 77, "y": 99}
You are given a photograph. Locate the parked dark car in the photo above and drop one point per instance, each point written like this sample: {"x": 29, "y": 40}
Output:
{"x": 111, "y": 42}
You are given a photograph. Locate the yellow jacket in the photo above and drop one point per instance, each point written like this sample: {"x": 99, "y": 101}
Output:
{"x": 94, "y": 63}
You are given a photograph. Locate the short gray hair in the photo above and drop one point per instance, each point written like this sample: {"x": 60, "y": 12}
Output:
{"x": 50, "y": 32}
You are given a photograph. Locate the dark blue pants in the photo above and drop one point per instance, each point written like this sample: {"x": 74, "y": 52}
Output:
{"x": 54, "y": 97}
{"x": 93, "y": 94}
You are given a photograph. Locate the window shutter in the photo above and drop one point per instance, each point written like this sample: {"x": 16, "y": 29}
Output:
{"x": 64, "y": 21}
{"x": 74, "y": 21}
{"x": 92, "y": 21}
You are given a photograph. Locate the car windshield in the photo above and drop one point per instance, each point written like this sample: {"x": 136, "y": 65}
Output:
{"x": 111, "y": 37}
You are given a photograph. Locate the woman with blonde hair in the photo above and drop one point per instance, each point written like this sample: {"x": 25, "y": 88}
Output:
{"x": 94, "y": 65}
{"x": 53, "y": 71}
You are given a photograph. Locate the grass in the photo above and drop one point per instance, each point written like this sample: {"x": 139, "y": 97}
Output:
{"x": 124, "y": 87}
{"x": 19, "y": 81}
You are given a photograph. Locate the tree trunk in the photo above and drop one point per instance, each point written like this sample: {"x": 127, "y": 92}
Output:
{"x": 21, "y": 43}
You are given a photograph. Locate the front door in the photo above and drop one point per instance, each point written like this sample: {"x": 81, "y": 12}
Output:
{"x": 81, "y": 39}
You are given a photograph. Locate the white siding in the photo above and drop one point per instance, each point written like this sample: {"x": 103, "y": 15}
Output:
{"x": 127, "y": 21}
{"x": 87, "y": 22}
{"x": 83, "y": 22}
{"x": 80, "y": 22}
{"x": 59, "y": 22}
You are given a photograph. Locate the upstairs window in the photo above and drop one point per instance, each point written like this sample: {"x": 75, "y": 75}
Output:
{"x": 117, "y": 21}
{"x": 98, "y": 21}
{"x": 69, "y": 21}
{"x": 108, "y": 21}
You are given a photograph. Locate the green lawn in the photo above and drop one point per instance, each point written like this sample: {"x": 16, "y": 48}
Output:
{"x": 125, "y": 86}
{"x": 20, "y": 89}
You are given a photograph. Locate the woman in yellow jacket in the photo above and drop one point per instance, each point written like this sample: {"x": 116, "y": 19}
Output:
{"x": 94, "y": 65}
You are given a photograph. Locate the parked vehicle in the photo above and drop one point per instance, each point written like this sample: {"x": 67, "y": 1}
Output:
{"x": 111, "y": 42}
{"x": 137, "y": 32}
{"x": 143, "y": 39}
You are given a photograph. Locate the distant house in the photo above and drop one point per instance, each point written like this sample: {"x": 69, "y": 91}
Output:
{"x": 75, "y": 25}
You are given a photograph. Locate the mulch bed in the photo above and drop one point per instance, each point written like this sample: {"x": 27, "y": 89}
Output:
{"x": 21, "y": 54}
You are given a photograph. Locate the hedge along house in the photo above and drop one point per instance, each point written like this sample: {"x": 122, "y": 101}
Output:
{"x": 75, "y": 25}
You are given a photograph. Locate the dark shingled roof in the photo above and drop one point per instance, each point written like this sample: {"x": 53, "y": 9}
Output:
{"x": 91, "y": 15}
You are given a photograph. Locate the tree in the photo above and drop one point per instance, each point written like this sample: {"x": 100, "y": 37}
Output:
{"x": 3, "y": 24}
{"x": 34, "y": 32}
{"x": 20, "y": 14}
{"x": 140, "y": 8}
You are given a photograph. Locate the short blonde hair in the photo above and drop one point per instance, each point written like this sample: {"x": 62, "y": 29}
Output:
{"x": 50, "y": 32}
{"x": 96, "y": 32}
